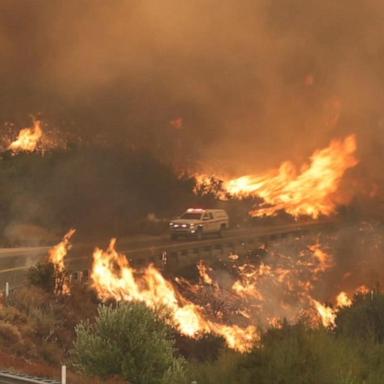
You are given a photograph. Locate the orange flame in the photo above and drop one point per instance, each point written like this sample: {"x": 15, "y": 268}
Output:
{"x": 59, "y": 251}
{"x": 342, "y": 300}
{"x": 308, "y": 192}
{"x": 204, "y": 270}
{"x": 327, "y": 314}
{"x": 113, "y": 278}
{"x": 27, "y": 139}
{"x": 56, "y": 257}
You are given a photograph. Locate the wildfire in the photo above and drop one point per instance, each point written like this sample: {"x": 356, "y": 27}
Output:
{"x": 342, "y": 300}
{"x": 282, "y": 287}
{"x": 327, "y": 314}
{"x": 308, "y": 191}
{"x": 113, "y": 278}
{"x": 59, "y": 251}
{"x": 27, "y": 139}
{"x": 246, "y": 300}
{"x": 260, "y": 296}
{"x": 204, "y": 271}
{"x": 56, "y": 257}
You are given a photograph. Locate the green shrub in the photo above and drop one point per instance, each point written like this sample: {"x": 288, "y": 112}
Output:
{"x": 129, "y": 340}
{"x": 225, "y": 370}
{"x": 364, "y": 319}
{"x": 297, "y": 354}
{"x": 291, "y": 355}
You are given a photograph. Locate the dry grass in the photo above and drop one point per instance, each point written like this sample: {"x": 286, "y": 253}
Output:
{"x": 38, "y": 326}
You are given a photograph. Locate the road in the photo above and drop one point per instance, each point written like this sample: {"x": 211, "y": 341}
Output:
{"x": 14, "y": 262}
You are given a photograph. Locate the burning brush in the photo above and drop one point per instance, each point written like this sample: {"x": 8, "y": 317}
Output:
{"x": 309, "y": 191}
{"x": 56, "y": 258}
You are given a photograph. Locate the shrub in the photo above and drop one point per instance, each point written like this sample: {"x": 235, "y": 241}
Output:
{"x": 9, "y": 334}
{"x": 129, "y": 340}
{"x": 297, "y": 354}
{"x": 224, "y": 370}
{"x": 43, "y": 275}
{"x": 364, "y": 319}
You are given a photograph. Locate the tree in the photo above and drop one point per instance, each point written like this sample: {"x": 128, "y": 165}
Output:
{"x": 129, "y": 340}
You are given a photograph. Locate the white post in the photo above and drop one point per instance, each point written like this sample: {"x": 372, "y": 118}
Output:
{"x": 63, "y": 374}
{"x": 6, "y": 290}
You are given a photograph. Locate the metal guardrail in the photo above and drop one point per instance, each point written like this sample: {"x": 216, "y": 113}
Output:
{"x": 12, "y": 377}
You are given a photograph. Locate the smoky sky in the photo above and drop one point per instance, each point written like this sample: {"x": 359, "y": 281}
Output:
{"x": 238, "y": 86}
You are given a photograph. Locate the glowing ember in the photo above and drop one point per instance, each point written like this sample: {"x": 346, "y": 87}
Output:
{"x": 113, "y": 278}
{"x": 27, "y": 139}
{"x": 307, "y": 192}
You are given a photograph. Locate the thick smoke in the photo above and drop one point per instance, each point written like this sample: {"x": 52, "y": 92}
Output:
{"x": 232, "y": 87}
{"x": 248, "y": 83}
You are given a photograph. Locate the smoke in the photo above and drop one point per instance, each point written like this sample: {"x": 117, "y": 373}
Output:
{"x": 254, "y": 83}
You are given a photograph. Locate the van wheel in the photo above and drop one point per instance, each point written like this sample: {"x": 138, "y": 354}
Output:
{"x": 199, "y": 234}
{"x": 173, "y": 237}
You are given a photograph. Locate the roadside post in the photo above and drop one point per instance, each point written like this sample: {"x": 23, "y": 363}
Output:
{"x": 63, "y": 374}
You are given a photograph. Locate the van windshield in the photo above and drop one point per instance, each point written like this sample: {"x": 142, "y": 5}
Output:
{"x": 191, "y": 216}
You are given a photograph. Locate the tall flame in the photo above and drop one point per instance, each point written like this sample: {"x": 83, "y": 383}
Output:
{"x": 27, "y": 139}
{"x": 309, "y": 191}
{"x": 113, "y": 278}
{"x": 59, "y": 251}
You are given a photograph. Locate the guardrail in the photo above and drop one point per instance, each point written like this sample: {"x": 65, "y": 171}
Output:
{"x": 14, "y": 378}
{"x": 177, "y": 254}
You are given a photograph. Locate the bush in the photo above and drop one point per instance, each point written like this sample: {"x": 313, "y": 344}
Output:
{"x": 43, "y": 275}
{"x": 297, "y": 354}
{"x": 225, "y": 370}
{"x": 9, "y": 333}
{"x": 129, "y": 340}
{"x": 206, "y": 348}
{"x": 364, "y": 319}
{"x": 291, "y": 355}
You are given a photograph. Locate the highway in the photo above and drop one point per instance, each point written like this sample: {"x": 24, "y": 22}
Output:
{"x": 14, "y": 262}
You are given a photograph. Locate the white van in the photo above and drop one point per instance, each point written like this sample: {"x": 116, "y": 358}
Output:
{"x": 199, "y": 222}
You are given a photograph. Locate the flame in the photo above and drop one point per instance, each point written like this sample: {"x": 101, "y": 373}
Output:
{"x": 56, "y": 257}
{"x": 327, "y": 314}
{"x": 27, "y": 139}
{"x": 113, "y": 278}
{"x": 236, "y": 305}
{"x": 204, "y": 271}
{"x": 325, "y": 261}
{"x": 59, "y": 251}
{"x": 305, "y": 192}
{"x": 342, "y": 300}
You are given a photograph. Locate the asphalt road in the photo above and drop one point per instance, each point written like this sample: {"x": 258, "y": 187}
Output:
{"x": 14, "y": 262}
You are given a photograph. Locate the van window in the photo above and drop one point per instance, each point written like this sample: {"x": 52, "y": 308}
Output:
{"x": 191, "y": 216}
